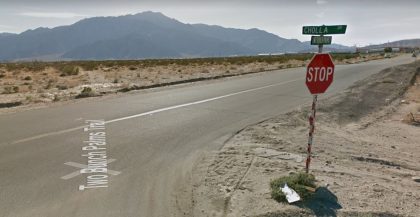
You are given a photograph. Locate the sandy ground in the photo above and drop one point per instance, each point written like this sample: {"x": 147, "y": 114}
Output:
{"x": 24, "y": 89}
{"x": 366, "y": 153}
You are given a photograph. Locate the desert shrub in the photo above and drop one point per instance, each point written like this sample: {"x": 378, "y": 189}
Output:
{"x": 69, "y": 70}
{"x": 62, "y": 87}
{"x": 27, "y": 78}
{"x": 56, "y": 98}
{"x": 88, "y": 65}
{"x": 10, "y": 89}
{"x": 12, "y": 66}
{"x": 72, "y": 68}
{"x": 110, "y": 63}
{"x": 296, "y": 181}
{"x": 344, "y": 56}
{"x": 86, "y": 92}
{"x": 35, "y": 66}
{"x": 49, "y": 84}
{"x": 7, "y": 90}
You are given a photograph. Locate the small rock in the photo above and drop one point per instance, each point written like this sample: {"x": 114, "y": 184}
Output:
{"x": 416, "y": 178}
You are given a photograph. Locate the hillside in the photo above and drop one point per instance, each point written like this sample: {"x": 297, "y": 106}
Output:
{"x": 413, "y": 43}
{"x": 139, "y": 36}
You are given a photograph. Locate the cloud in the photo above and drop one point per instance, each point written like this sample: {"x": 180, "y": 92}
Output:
{"x": 320, "y": 14}
{"x": 7, "y": 28}
{"x": 321, "y": 2}
{"x": 62, "y": 15}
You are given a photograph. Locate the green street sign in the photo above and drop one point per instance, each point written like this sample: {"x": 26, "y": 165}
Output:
{"x": 317, "y": 40}
{"x": 324, "y": 30}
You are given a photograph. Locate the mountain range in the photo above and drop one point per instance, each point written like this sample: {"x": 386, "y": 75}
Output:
{"x": 401, "y": 43}
{"x": 143, "y": 35}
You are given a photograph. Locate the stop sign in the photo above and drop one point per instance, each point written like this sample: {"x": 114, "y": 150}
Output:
{"x": 319, "y": 73}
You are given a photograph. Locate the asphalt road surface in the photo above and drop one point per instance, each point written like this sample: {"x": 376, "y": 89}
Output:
{"x": 153, "y": 138}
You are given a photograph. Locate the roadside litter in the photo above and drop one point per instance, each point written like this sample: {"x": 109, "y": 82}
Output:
{"x": 291, "y": 194}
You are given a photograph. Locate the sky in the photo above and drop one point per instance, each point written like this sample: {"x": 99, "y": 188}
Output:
{"x": 368, "y": 21}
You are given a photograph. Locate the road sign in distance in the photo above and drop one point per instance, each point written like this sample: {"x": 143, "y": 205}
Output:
{"x": 324, "y": 30}
{"x": 317, "y": 40}
{"x": 319, "y": 73}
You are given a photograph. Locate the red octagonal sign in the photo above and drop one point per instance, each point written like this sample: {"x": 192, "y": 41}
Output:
{"x": 319, "y": 73}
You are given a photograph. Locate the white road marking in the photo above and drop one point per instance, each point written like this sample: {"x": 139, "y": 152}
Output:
{"x": 197, "y": 102}
{"x": 48, "y": 134}
{"x": 83, "y": 166}
{"x": 156, "y": 111}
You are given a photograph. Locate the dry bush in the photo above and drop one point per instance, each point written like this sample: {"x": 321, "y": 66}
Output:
{"x": 10, "y": 89}
{"x": 411, "y": 118}
{"x": 69, "y": 70}
{"x": 86, "y": 92}
{"x": 297, "y": 181}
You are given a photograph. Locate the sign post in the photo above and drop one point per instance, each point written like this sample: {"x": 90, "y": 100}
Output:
{"x": 319, "y": 72}
{"x": 319, "y": 76}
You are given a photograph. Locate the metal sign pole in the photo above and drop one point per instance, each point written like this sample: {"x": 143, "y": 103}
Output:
{"x": 311, "y": 131}
{"x": 312, "y": 123}
{"x": 320, "y": 48}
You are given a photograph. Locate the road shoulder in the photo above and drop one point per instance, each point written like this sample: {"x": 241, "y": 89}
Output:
{"x": 366, "y": 154}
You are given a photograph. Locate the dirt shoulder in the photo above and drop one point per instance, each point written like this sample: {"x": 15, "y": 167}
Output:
{"x": 37, "y": 84}
{"x": 365, "y": 156}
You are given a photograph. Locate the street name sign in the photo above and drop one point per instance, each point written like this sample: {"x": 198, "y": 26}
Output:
{"x": 319, "y": 73}
{"x": 324, "y": 30}
{"x": 317, "y": 40}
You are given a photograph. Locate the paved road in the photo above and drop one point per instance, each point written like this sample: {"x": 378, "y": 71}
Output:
{"x": 152, "y": 140}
